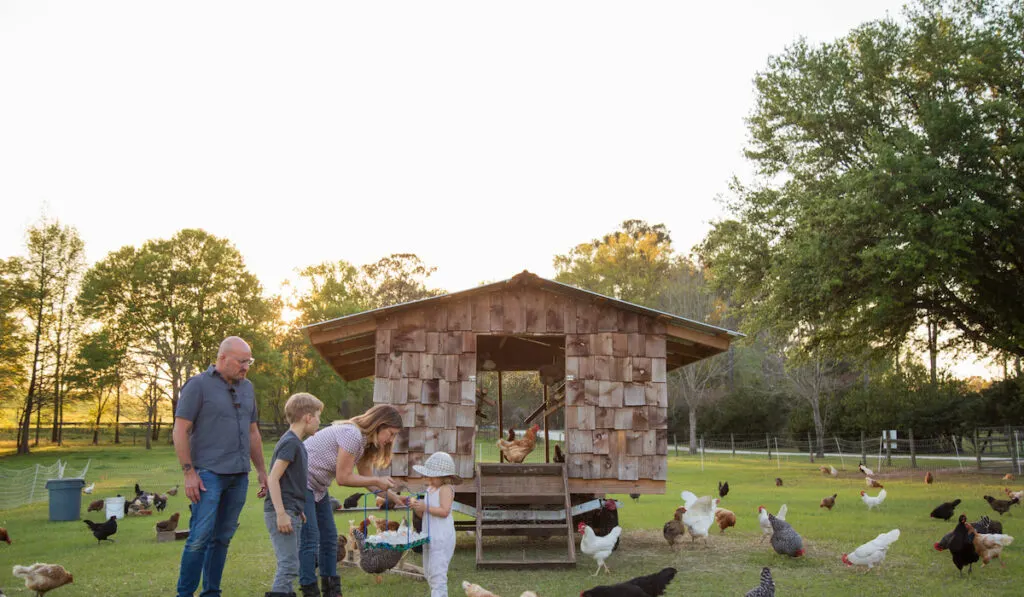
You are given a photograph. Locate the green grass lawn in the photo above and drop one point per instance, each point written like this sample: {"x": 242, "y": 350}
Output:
{"x": 137, "y": 565}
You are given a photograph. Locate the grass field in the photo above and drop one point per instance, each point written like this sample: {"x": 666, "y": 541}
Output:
{"x": 137, "y": 565}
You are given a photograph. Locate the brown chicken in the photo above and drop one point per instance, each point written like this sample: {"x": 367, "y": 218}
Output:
{"x": 517, "y": 450}
{"x": 511, "y": 434}
{"x": 391, "y": 503}
{"x": 928, "y": 478}
{"x": 168, "y": 525}
{"x": 989, "y": 547}
{"x": 778, "y": 481}
{"x": 829, "y": 502}
{"x": 872, "y": 483}
{"x": 42, "y": 578}
{"x": 674, "y": 529}
{"x": 4, "y": 536}
{"x": 95, "y": 506}
{"x": 384, "y": 525}
{"x": 173, "y": 490}
{"x": 1000, "y": 506}
{"x": 341, "y": 546}
{"x": 559, "y": 455}
{"x": 724, "y": 519}
{"x": 1008, "y": 477}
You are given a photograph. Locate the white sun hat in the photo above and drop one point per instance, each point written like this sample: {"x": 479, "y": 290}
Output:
{"x": 440, "y": 464}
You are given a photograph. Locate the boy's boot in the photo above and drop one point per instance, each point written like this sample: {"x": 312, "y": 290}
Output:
{"x": 310, "y": 590}
{"x": 330, "y": 586}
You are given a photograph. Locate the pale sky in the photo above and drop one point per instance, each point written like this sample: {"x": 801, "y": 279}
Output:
{"x": 485, "y": 137}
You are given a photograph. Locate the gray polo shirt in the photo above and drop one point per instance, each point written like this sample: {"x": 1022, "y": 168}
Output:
{"x": 220, "y": 413}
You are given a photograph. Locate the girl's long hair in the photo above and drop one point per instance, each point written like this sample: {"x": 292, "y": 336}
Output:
{"x": 369, "y": 423}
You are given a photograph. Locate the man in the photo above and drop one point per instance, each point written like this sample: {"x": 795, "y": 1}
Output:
{"x": 215, "y": 437}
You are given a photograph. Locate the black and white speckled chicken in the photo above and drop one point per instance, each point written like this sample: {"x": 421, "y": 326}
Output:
{"x": 767, "y": 586}
{"x": 785, "y": 540}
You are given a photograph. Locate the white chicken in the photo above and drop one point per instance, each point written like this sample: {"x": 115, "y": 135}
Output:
{"x": 766, "y": 525}
{"x": 873, "y": 552}
{"x": 866, "y": 470}
{"x": 88, "y": 490}
{"x": 599, "y": 548}
{"x": 872, "y": 502}
{"x": 473, "y": 590}
{"x": 698, "y": 514}
{"x": 832, "y": 471}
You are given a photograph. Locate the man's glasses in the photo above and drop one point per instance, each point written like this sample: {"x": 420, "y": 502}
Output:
{"x": 248, "y": 361}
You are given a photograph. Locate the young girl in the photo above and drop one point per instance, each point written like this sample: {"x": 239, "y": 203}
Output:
{"x": 436, "y": 510}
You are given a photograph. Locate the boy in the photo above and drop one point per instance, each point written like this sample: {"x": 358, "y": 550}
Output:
{"x": 286, "y": 485}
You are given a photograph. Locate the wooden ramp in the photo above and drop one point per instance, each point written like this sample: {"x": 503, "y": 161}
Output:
{"x": 524, "y": 499}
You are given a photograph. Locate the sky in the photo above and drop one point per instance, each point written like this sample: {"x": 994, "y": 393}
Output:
{"x": 485, "y": 137}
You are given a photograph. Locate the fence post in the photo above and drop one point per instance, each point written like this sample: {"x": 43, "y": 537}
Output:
{"x": 732, "y": 441}
{"x": 888, "y": 447}
{"x": 863, "y": 449}
{"x": 675, "y": 440}
{"x": 768, "y": 443}
{"x": 913, "y": 451}
{"x": 810, "y": 447}
{"x": 977, "y": 448}
{"x": 1011, "y": 438}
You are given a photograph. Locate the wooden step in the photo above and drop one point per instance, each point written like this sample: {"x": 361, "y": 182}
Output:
{"x": 508, "y": 469}
{"x": 519, "y": 564}
{"x": 546, "y": 526}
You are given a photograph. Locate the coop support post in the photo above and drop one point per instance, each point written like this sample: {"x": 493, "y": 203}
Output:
{"x": 913, "y": 449}
{"x": 501, "y": 420}
{"x": 547, "y": 443}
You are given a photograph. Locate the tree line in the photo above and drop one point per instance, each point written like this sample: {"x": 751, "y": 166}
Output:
{"x": 884, "y": 222}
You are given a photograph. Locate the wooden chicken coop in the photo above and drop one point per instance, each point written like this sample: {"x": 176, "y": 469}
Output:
{"x": 602, "y": 360}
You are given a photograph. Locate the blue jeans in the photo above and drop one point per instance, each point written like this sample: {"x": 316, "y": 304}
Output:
{"x": 213, "y": 523}
{"x": 319, "y": 541}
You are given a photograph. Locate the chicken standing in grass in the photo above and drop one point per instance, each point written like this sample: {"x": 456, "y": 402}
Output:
{"x": 173, "y": 491}
{"x": 473, "y": 590}
{"x": 674, "y": 529}
{"x": 865, "y": 470}
{"x": 88, "y": 490}
{"x": 828, "y": 502}
{"x": 95, "y": 506}
{"x": 723, "y": 489}
{"x": 873, "y": 552}
{"x": 1000, "y": 506}
{"x": 872, "y": 502}
{"x": 785, "y": 540}
{"x": 699, "y": 514}
{"x": 43, "y": 578}
{"x": 945, "y": 510}
{"x": 767, "y": 586}
{"x": 928, "y": 478}
{"x": 989, "y": 546}
{"x": 961, "y": 547}
{"x": 778, "y": 481}
{"x": 599, "y": 548}
{"x": 724, "y": 519}
{"x": 103, "y": 530}
{"x": 6, "y": 538}
{"x": 872, "y": 483}
{"x": 765, "y": 523}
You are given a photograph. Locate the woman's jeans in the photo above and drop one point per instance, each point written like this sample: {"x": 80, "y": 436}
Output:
{"x": 319, "y": 541}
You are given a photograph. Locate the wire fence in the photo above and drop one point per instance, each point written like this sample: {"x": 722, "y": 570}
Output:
{"x": 20, "y": 487}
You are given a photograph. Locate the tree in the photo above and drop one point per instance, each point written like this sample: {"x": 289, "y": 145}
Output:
{"x": 13, "y": 342}
{"x": 53, "y": 251}
{"x": 96, "y": 370}
{"x": 891, "y": 182}
{"x": 397, "y": 278}
{"x": 698, "y": 384}
{"x": 175, "y": 300}
{"x": 630, "y": 264}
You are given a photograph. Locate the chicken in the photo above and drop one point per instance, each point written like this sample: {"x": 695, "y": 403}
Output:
{"x": 43, "y": 578}
{"x": 620, "y": 590}
{"x": 828, "y": 470}
{"x": 383, "y": 524}
{"x": 352, "y": 545}
{"x": 767, "y": 586}
{"x": 778, "y": 481}
{"x": 961, "y": 547}
{"x": 599, "y": 548}
{"x": 723, "y": 489}
{"x": 655, "y": 584}
{"x": 1008, "y": 477}
{"x": 559, "y": 455}
{"x": 511, "y": 434}
{"x": 635, "y": 496}
{"x": 95, "y": 506}
{"x": 828, "y": 502}
{"x": 699, "y": 514}
{"x": 6, "y": 538}
{"x": 516, "y": 451}
{"x": 103, "y": 530}
{"x": 602, "y": 520}
{"x": 342, "y": 540}
{"x": 928, "y": 478}
{"x": 674, "y": 529}
{"x": 352, "y": 501}
{"x": 160, "y": 501}
{"x": 1000, "y": 506}
{"x": 785, "y": 540}
{"x": 865, "y": 470}
{"x": 173, "y": 491}
{"x": 872, "y": 502}
{"x": 1014, "y": 494}
{"x": 872, "y": 483}
{"x": 170, "y": 524}
{"x": 391, "y": 504}
{"x": 989, "y": 546}
{"x": 873, "y": 552}
{"x": 766, "y": 525}
{"x": 88, "y": 490}
{"x": 724, "y": 519}
{"x": 984, "y": 525}
{"x": 473, "y": 590}
{"x": 945, "y": 510}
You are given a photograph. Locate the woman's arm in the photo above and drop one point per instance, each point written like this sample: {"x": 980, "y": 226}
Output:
{"x": 345, "y": 473}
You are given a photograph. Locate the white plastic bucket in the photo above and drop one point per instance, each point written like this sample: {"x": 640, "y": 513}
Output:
{"x": 114, "y": 506}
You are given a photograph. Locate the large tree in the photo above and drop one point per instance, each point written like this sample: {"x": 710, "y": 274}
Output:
{"x": 891, "y": 180}
{"x": 175, "y": 300}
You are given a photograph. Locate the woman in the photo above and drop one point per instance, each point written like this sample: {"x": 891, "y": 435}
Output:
{"x": 362, "y": 443}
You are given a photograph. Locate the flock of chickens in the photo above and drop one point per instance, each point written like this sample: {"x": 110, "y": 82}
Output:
{"x": 43, "y": 578}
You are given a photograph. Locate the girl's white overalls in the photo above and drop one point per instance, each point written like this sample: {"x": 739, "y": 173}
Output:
{"x": 437, "y": 554}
